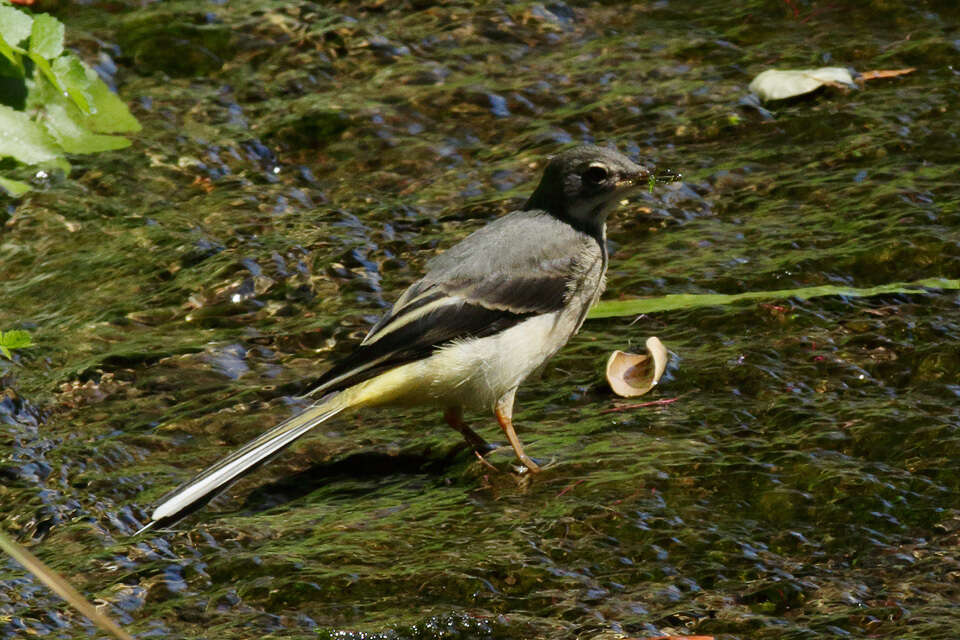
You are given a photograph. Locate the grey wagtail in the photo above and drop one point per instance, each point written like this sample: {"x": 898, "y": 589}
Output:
{"x": 488, "y": 312}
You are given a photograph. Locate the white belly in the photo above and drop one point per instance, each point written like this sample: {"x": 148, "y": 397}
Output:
{"x": 472, "y": 373}
{"x": 476, "y": 373}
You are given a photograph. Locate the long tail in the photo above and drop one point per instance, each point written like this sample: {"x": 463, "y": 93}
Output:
{"x": 198, "y": 491}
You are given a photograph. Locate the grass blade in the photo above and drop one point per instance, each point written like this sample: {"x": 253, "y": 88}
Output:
{"x": 61, "y": 587}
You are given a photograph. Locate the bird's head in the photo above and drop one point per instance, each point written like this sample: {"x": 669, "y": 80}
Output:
{"x": 581, "y": 185}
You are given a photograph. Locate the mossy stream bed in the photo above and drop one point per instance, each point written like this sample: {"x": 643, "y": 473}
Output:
{"x": 299, "y": 163}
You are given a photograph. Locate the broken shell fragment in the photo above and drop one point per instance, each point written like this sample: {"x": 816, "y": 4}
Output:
{"x": 633, "y": 374}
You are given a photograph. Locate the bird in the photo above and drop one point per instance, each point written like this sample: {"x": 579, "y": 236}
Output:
{"x": 487, "y": 313}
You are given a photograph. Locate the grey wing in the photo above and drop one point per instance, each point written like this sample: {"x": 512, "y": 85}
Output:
{"x": 515, "y": 267}
{"x": 522, "y": 262}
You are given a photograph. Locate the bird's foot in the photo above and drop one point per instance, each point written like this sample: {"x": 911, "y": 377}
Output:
{"x": 539, "y": 463}
{"x": 485, "y": 462}
{"x": 518, "y": 469}
{"x": 484, "y": 448}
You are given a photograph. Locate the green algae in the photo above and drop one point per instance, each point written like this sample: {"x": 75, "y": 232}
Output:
{"x": 300, "y": 162}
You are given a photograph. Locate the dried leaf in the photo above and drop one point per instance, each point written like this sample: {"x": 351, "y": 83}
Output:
{"x": 632, "y": 374}
{"x": 775, "y": 84}
{"x": 885, "y": 73}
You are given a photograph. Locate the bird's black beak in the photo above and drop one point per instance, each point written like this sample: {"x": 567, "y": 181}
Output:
{"x": 639, "y": 179}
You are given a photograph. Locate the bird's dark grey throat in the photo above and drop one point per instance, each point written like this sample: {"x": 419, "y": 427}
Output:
{"x": 581, "y": 185}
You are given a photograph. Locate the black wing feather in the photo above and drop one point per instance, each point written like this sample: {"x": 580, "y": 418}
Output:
{"x": 417, "y": 340}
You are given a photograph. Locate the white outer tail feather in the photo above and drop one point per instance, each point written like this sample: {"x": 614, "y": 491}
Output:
{"x": 229, "y": 469}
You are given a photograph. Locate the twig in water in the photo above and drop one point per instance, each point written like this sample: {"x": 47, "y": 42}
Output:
{"x": 570, "y": 487}
{"x": 630, "y": 407}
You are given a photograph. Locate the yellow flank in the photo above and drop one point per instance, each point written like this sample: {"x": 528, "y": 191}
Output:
{"x": 401, "y": 385}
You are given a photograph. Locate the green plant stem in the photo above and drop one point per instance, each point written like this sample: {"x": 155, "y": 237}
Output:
{"x": 620, "y": 308}
{"x": 61, "y": 587}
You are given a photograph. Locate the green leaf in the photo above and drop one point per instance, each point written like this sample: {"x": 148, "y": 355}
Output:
{"x": 619, "y": 308}
{"x": 46, "y": 36}
{"x": 68, "y": 126}
{"x": 44, "y": 66}
{"x": 110, "y": 113}
{"x": 14, "y": 188}
{"x": 24, "y": 140}
{"x": 7, "y": 52}
{"x": 72, "y": 75}
{"x": 15, "y": 339}
{"x": 15, "y": 25}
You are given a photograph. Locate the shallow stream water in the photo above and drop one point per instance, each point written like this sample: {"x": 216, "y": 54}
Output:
{"x": 299, "y": 163}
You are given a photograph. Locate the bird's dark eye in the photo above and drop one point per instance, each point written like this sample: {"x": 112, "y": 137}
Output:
{"x": 595, "y": 175}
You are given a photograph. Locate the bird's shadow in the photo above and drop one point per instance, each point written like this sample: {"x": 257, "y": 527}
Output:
{"x": 366, "y": 465}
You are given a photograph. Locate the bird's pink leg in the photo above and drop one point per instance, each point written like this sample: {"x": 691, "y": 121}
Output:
{"x": 504, "y": 413}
